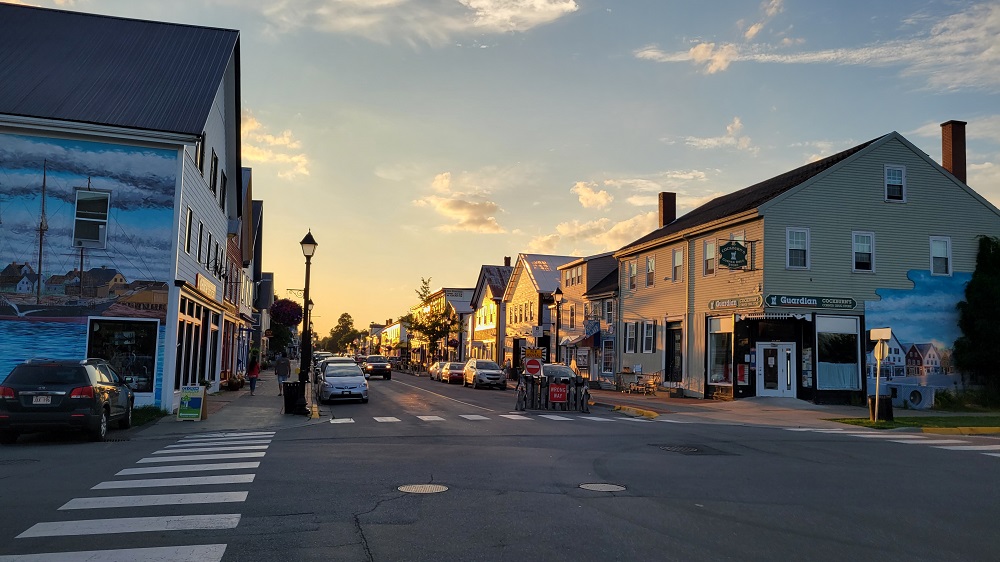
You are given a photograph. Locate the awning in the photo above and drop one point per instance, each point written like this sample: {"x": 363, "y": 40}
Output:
{"x": 580, "y": 341}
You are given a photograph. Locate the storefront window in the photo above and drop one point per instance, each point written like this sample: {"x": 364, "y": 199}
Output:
{"x": 608, "y": 356}
{"x": 720, "y": 351}
{"x": 130, "y": 347}
{"x": 837, "y": 355}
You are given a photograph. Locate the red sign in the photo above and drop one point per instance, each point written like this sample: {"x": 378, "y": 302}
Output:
{"x": 558, "y": 392}
{"x": 533, "y": 366}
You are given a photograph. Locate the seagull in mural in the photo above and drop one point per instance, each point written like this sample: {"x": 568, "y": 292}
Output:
{"x": 17, "y": 311}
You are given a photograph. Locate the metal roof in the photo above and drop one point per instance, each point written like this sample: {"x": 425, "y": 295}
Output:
{"x": 104, "y": 70}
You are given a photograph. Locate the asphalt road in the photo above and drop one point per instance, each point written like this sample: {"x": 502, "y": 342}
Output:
{"x": 510, "y": 489}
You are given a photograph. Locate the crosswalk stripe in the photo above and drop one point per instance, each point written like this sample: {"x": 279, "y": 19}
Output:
{"x": 342, "y": 420}
{"x": 188, "y": 468}
{"x": 431, "y": 418}
{"x": 555, "y": 417}
{"x": 216, "y": 449}
{"x": 132, "y": 525}
{"x": 929, "y": 441}
{"x": 386, "y": 419}
{"x": 187, "y": 481}
{"x": 514, "y": 417}
{"x": 193, "y": 553}
{"x": 217, "y": 443}
{"x": 971, "y": 447}
{"x": 474, "y": 417}
{"x": 154, "y": 499}
{"x": 229, "y": 435}
{"x": 640, "y": 420}
{"x": 992, "y": 454}
{"x": 664, "y": 420}
{"x": 592, "y": 418}
{"x": 201, "y": 457}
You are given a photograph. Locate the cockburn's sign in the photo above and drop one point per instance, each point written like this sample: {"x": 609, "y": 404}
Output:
{"x": 794, "y": 301}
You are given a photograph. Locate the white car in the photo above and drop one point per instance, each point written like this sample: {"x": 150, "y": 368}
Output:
{"x": 343, "y": 382}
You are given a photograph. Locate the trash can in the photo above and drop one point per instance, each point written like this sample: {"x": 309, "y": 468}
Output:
{"x": 292, "y": 392}
{"x": 884, "y": 408}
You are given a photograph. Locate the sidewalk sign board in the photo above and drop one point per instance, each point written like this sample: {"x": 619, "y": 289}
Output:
{"x": 192, "y": 406}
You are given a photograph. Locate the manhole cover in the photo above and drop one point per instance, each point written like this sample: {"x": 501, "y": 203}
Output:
{"x": 17, "y": 461}
{"x": 422, "y": 488}
{"x": 692, "y": 450}
{"x": 603, "y": 487}
{"x": 680, "y": 449}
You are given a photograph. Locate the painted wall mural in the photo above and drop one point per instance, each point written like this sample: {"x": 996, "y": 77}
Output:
{"x": 86, "y": 231}
{"x": 924, "y": 323}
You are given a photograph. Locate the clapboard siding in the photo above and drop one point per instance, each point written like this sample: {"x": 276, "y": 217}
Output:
{"x": 850, "y": 197}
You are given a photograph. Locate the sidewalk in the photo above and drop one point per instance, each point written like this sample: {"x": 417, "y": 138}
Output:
{"x": 237, "y": 410}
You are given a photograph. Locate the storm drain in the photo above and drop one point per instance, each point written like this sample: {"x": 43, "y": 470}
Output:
{"x": 7, "y": 462}
{"x": 691, "y": 450}
{"x": 422, "y": 488}
{"x": 603, "y": 487}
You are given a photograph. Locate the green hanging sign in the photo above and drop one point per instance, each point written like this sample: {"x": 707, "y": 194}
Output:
{"x": 733, "y": 255}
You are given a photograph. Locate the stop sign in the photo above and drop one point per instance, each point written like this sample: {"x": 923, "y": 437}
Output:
{"x": 533, "y": 366}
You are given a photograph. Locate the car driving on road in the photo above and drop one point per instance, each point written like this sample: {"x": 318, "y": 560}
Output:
{"x": 378, "y": 365}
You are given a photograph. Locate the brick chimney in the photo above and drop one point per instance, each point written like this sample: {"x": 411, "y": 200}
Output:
{"x": 506, "y": 261}
{"x": 953, "y": 148}
{"x": 668, "y": 208}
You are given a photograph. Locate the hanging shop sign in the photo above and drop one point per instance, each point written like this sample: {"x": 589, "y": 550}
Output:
{"x": 733, "y": 255}
{"x": 751, "y": 301}
{"x": 794, "y": 301}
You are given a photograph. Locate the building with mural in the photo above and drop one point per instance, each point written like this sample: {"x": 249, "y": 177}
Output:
{"x": 119, "y": 191}
{"x": 770, "y": 290}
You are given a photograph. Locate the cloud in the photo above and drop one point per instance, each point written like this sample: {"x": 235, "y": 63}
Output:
{"x": 599, "y": 234}
{"x": 468, "y": 212}
{"x": 961, "y": 51}
{"x": 732, "y": 139}
{"x": 591, "y": 198}
{"x": 432, "y": 22}
{"x": 280, "y": 150}
{"x": 770, "y": 9}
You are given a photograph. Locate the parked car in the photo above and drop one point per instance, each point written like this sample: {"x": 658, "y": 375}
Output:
{"x": 378, "y": 365}
{"x": 48, "y": 394}
{"x": 435, "y": 370}
{"x": 452, "y": 371}
{"x": 338, "y": 360}
{"x": 342, "y": 381}
{"x": 483, "y": 372}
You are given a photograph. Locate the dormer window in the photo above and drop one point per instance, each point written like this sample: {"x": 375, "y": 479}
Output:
{"x": 895, "y": 184}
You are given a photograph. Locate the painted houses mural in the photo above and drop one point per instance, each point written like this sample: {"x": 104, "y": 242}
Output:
{"x": 85, "y": 252}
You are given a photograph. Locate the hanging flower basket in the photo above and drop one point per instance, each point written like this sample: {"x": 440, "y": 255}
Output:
{"x": 286, "y": 312}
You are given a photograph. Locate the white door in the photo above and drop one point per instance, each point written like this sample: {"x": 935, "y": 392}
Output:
{"x": 776, "y": 369}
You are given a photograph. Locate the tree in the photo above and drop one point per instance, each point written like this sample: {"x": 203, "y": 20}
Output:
{"x": 281, "y": 338}
{"x": 977, "y": 317}
{"x": 342, "y": 335}
{"x": 436, "y": 322}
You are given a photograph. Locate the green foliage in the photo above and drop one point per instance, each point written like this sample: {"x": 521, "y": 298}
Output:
{"x": 147, "y": 414}
{"x": 342, "y": 335}
{"x": 974, "y": 350}
{"x": 281, "y": 337}
{"x": 434, "y": 324}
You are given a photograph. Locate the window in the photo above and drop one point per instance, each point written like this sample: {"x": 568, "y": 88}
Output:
{"x": 798, "y": 248}
{"x": 572, "y": 316}
{"x": 895, "y": 183}
{"x": 187, "y": 231}
{"x": 630, "y": 337}
{"x": 709, "y": 268}
{"x": 631, "y": 274}
{"x": 864, "y": 251}
{"x": 569, "y": 278}
{"x": 222, "y": 199}
{"x": 608, "y": 356}
{"x": 199, "y": 153}
{"x": 201, "y": 232}
{"x": 90, "y": 225}
{"x": 648, "y": 336}
{"x": 838, "y": 367}
{"x": 678, "y": 273}
{"x": 720, "y": 351}
{"x": 940, "y": 255}
{"x": 212, "y": 181}
{"x": 650, "y": 270}
{"x": 609, "y": 311}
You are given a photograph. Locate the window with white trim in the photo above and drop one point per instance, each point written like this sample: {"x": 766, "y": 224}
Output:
{"x": 650, "y": 270}
{"x": 720, "y": 351}
{"x": 940, "y": 255}
{"x": 678, "y": 265}
{"x": 863, "y": 251}
{"x": 838, "y": 353}
{"x": 631, "y": 274}
{"x": 213, "y": 181}
{"x": 648, "y": 336}
{"x": 609, "y": 311}
{"x": 797, "y": 255}
{"x": 187, "y": 231}
{"x": 709, "y": 268}
{"x": 895, "y": 183}
{"x": 90, "y": 224}
{"x": 572, "y": 316}
{"x": 201, "y": 240}
{"x": 630, "y": 337}
{"x": 607, "y": 356}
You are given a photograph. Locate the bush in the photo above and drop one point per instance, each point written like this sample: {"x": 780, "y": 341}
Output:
{"x": 147, "y": 414}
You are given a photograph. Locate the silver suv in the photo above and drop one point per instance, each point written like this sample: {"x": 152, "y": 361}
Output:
{"x": 483, "y": 372}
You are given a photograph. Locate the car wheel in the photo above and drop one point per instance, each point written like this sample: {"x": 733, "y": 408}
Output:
{"x": 126, "y": 421}
{"x": 503, "y": 386}
{"x": 8, "y": 437}
{"x": 475, "y": 383}
{"x": 387, "y": 377}
{"x": 101, "y": 432}
{"x": 364, "y": 400}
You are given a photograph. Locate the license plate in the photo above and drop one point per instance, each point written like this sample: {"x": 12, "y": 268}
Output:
{"x": 346, "y": 392}
{"x": 41, "y": 400}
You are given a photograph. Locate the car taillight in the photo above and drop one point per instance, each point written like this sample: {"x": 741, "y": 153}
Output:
{"x": 82, "y": 392}
{"x": 6, "y": 392}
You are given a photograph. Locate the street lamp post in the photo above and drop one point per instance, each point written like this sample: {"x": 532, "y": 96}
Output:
{"x": 557, "y": 296}
{"x": 308, "y": 249}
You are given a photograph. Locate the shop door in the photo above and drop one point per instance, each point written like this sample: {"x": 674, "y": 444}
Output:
{"x": 776, "y": 369}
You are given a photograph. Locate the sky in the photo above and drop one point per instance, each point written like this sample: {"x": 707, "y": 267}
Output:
{"x": 424, "y": 138}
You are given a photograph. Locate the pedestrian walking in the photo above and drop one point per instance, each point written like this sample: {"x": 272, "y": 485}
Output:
{"x": 282, "y": 369}
{"x": 253, "y": 371}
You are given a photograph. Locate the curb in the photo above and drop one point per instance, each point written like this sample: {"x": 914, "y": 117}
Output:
{"x": 961, "y": 430}
{"x": 636, "y": 412}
